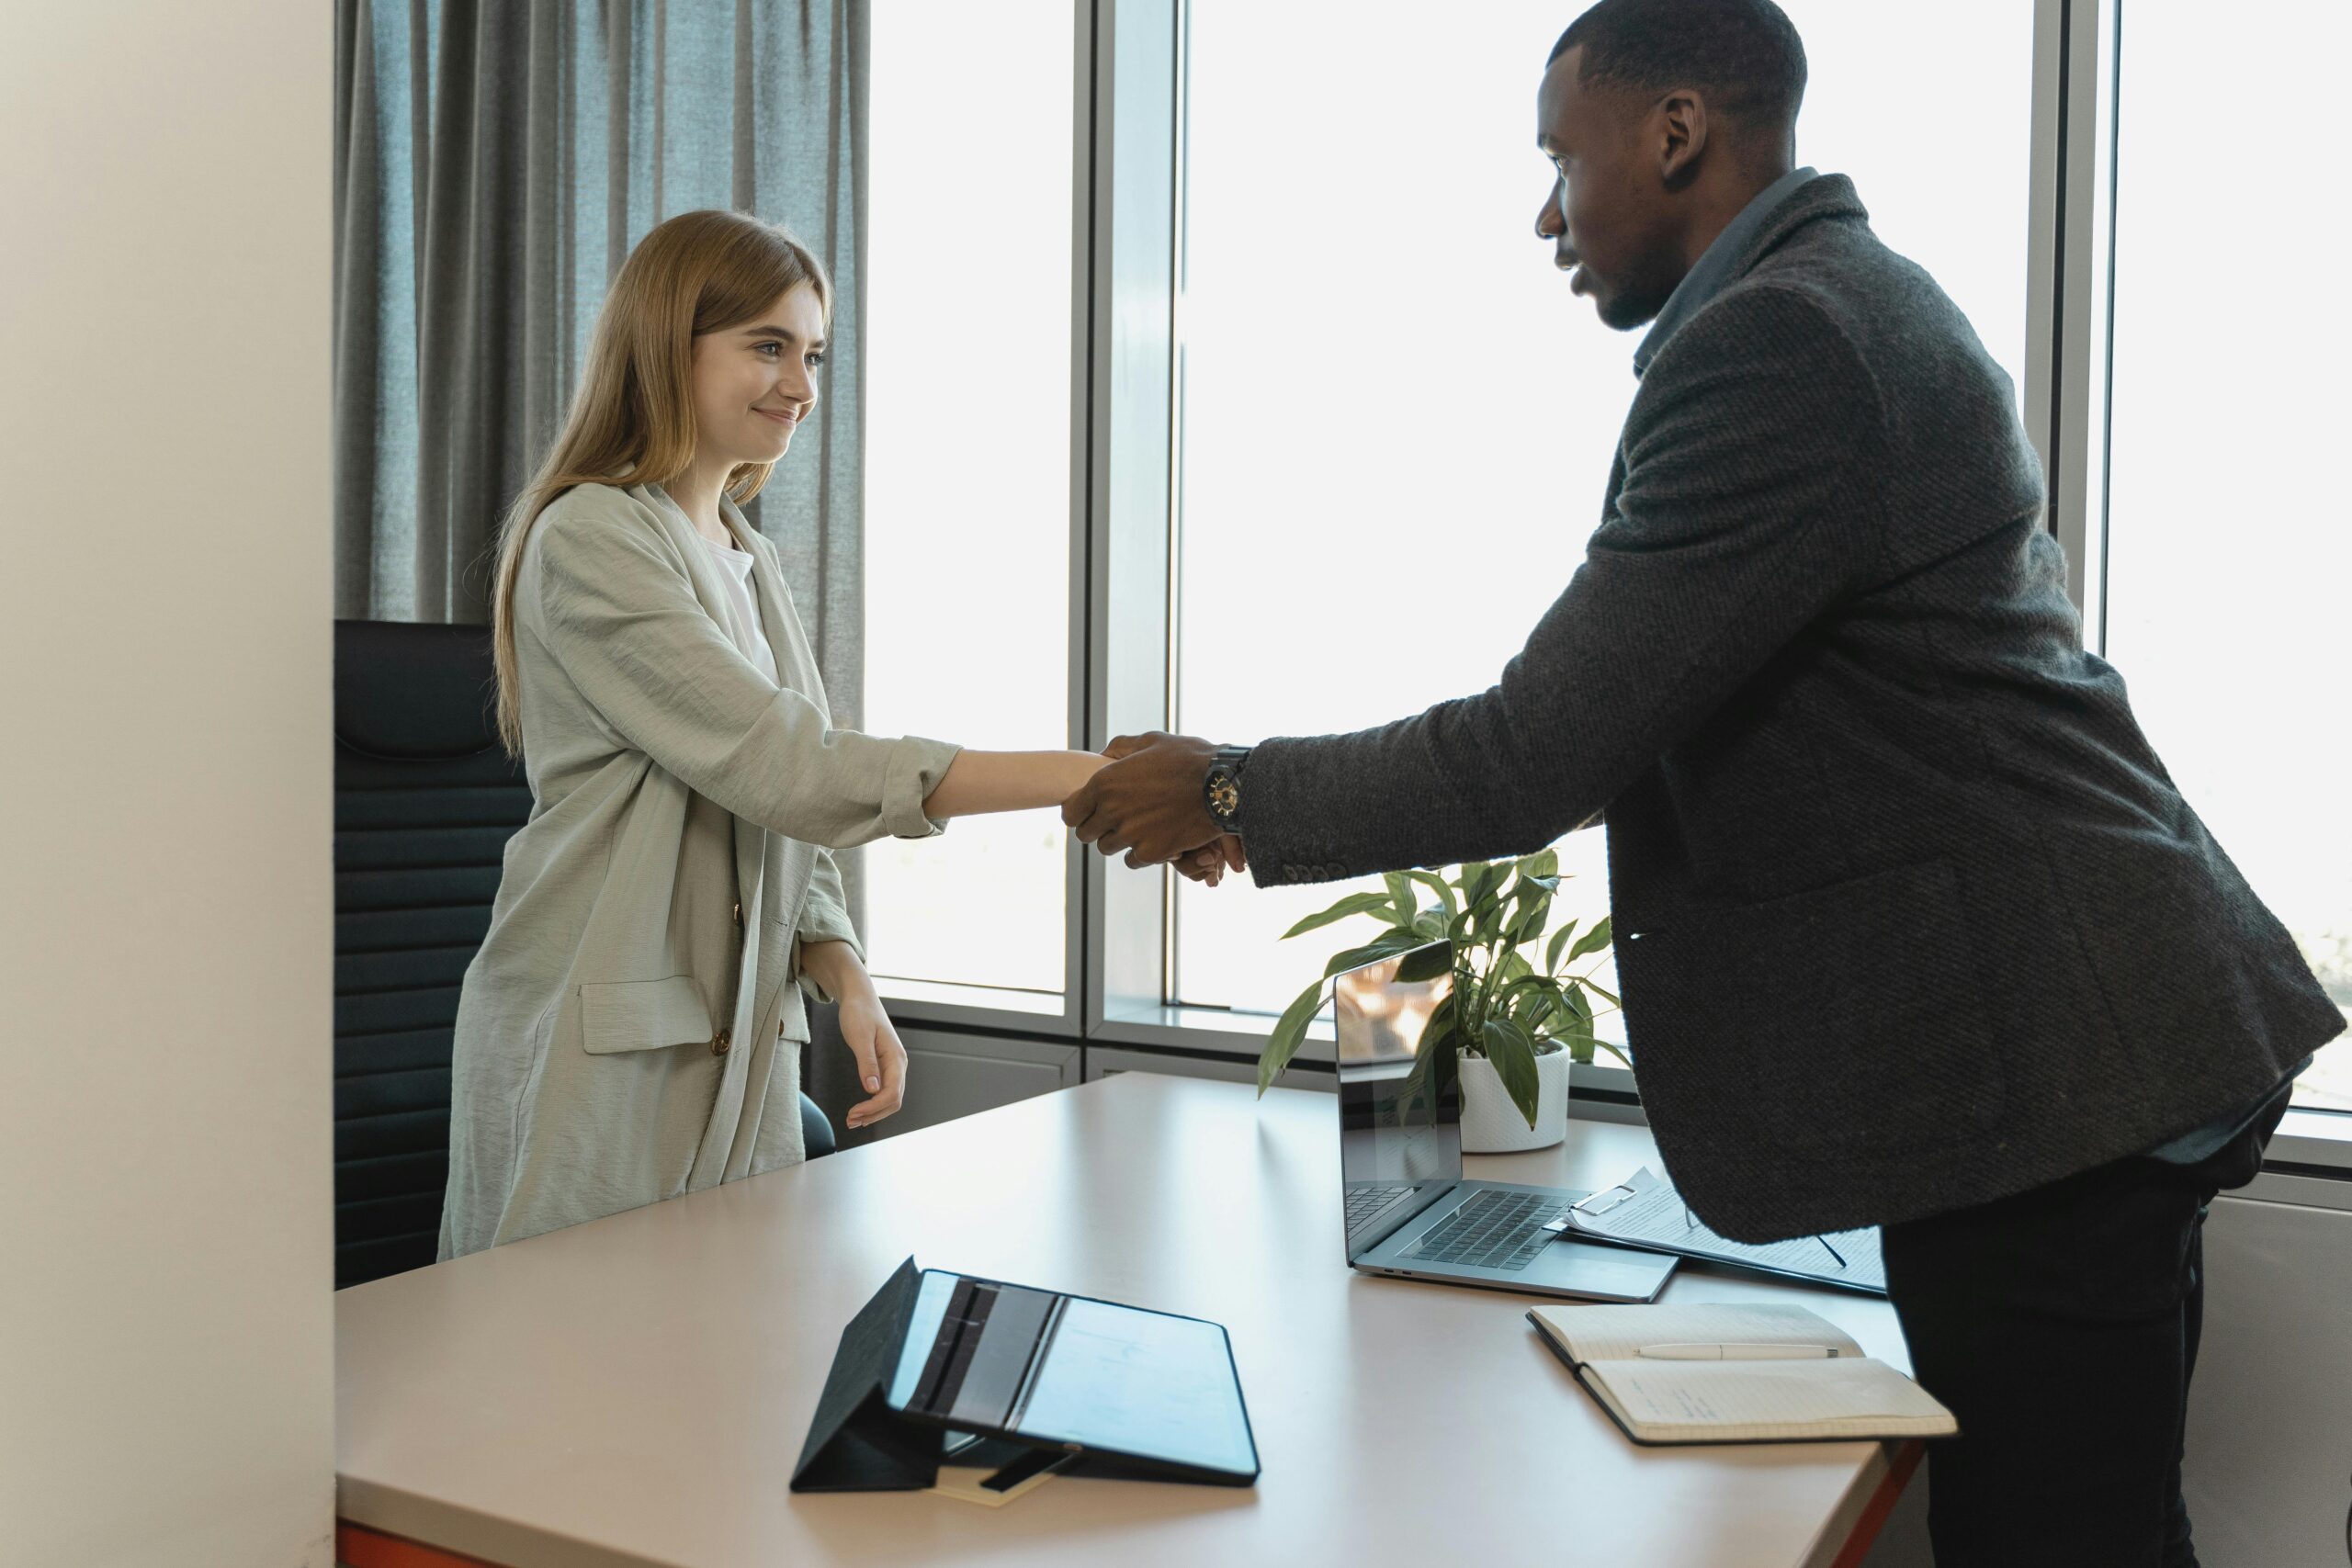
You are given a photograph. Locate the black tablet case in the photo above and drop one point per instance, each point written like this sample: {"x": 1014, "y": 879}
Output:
{"x": 857, "y": 1443}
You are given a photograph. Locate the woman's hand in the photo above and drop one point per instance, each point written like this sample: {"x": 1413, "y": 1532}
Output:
{"x": 866, "y": 1028}
{"x": 881, "y": 1057}
{"x": 1211, "y": 861}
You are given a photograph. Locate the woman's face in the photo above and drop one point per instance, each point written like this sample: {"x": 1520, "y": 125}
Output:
{"x": 754, "y": 383}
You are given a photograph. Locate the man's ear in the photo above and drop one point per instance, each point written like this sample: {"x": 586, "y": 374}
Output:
{"x": 1681, "y": 129}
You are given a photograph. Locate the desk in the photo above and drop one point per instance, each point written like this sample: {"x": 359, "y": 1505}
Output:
{"x": 635, "y": 1390}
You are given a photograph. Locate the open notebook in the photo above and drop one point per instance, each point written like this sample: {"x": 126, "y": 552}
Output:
{"x": 1691, "y": 1375}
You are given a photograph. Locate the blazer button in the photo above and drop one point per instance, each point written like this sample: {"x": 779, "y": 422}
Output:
{"x": 720, "y": 1043}
{"x": 739, "y": 916}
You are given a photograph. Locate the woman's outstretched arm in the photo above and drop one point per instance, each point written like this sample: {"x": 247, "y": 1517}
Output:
{"x": 978, "y": 783}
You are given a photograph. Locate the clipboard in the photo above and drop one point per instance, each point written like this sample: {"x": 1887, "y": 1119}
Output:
{"x": 1643, "y": 1211}
{"x": 1043, "y": 1379}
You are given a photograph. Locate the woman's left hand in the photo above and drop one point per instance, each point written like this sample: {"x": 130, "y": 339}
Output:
{"x": 881, "y": 1058}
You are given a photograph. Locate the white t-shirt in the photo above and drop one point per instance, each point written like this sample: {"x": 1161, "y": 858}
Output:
{"x": 735, "y": 570}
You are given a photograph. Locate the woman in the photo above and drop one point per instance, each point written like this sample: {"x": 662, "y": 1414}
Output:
{"x": 630, "y": 1029}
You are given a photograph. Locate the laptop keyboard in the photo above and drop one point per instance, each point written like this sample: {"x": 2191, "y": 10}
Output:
{"x": 1492, "y": 1230}
{"x": 1365, "y": 1202}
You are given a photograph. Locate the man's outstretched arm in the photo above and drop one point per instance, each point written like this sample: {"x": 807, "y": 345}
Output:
{"x": 1750, "y": 504}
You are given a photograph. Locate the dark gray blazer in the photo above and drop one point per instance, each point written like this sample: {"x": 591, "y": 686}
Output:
{"x": 1909, "y": 917}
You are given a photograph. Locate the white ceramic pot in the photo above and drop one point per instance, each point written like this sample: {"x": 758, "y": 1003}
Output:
{"x": 1491, "y": 1125}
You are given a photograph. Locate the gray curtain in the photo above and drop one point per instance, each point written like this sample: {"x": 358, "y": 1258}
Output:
{"x": 494, "y": 161}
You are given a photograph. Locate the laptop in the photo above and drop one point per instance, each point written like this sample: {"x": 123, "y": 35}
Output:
{"x": 1410, "y": 1212}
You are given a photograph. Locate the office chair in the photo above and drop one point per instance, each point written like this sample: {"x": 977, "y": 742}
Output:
{"x": 425, "y": 801}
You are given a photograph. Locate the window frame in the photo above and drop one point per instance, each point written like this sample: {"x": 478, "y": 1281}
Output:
{"x": 1129, "y": 73}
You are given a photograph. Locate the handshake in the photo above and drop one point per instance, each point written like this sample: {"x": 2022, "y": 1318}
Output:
{"x": 1147, "y": 801}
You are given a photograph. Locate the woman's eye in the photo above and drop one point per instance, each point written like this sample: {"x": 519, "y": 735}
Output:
{"x": 815, "y": 360}
{"x": 771, "y": 349}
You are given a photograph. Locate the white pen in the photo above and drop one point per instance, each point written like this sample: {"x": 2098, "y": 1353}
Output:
{"x": 1711, "y": 1351}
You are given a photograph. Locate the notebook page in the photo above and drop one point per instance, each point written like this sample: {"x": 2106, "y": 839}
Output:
{"x": 1618, "y": 1333}
{"x": 1767, "y": 1394}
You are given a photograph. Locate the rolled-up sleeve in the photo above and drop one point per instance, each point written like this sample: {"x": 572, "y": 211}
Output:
{"x": 603, "y": 589}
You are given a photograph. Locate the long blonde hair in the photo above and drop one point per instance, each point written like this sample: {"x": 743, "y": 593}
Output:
{"x": 632, "y": 415}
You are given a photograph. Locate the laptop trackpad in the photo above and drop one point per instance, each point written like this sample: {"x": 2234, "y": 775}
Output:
{"x": 1612, "y": 1273}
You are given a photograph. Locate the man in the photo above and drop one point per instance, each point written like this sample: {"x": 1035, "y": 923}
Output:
{"x": 1913, "y": 928}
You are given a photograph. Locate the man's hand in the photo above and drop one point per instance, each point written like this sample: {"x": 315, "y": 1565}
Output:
{"x": 1148, "y": 800}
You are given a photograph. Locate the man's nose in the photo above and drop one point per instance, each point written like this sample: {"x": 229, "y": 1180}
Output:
{"x": 1548, "y": 224}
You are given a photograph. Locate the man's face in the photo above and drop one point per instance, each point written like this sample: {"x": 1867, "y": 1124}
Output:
{"x": 1609, "y": 215}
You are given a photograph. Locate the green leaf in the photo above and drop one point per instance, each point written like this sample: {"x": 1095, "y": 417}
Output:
{"x": 1531, "y": 918}
{"x": 1425, "y": 964}
{"x": 1442, "y": 887}
{"x": 1480, "y": 884}
{"x": 1559, "y": 940}
{"x": 1289, "y": 1030}
{"x": 1606, "y": 994}
{"x": 1543, "y": 863}
{"x": 1388, "y": 946}
{"x": 1594, "y": 940}
{"x": 1354, "y": 904}
{"x": 1430, "y": 924}
{"x": 1508, "y": 1046}
{"x": 1400, "y": 893}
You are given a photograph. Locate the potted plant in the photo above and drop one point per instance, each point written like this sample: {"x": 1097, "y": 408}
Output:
{"x": 1507, "y": 1028}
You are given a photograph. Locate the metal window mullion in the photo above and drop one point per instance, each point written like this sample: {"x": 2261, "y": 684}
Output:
{"x": 2063, "y": 300}
{"x": 1128, "y": 380}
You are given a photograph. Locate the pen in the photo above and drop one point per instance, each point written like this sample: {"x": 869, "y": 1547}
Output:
{"x": 1713, "y": 1352}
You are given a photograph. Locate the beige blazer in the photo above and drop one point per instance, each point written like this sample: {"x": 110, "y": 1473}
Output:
{"x": 629, "y": 1029}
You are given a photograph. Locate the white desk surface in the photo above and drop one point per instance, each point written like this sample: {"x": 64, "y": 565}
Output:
{"x": 635, "y": 1390}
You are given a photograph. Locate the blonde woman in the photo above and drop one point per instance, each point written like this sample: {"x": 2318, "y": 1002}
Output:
{"x": 630, "y": 1030}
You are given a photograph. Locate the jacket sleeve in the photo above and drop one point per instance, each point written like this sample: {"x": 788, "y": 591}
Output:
{"x": 1751, "y": 504}
{"x": 616, "y": 611}
{"x": 824, "y": 917}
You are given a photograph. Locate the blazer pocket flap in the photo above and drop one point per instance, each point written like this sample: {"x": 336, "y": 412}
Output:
{"x": 643, "y": 1015}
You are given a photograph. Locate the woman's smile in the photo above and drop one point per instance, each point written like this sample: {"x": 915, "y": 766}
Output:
{"x": 785, "y": 417}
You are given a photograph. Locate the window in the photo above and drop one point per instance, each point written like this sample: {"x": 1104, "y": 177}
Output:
{"x": 2229, "y": 536}
{"x": 967, "y": 466}
{"x": 1393, "y": 409}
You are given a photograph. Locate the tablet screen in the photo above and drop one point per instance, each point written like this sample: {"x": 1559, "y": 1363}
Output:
{"x": 1061, "y": 1369}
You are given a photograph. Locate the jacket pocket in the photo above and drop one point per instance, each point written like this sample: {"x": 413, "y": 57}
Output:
{"x": 643, "y": 1015}
{"x": 1850, "y": 1017}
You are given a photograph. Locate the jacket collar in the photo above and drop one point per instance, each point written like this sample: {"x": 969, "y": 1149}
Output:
{"x": 1777, "y": 212}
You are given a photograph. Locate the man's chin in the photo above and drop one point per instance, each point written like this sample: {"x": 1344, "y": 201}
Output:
{"x": 1622, "y": 313}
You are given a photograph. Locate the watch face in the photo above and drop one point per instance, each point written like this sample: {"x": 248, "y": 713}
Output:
{"x": 1225, "y": 794}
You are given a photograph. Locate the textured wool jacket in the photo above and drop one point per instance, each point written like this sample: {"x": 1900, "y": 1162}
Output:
{"x": 1909, "y": 916}
{"x": 630, "y": 1029}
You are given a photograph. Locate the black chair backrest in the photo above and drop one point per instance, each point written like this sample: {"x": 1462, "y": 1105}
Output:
{"x": 425, "y": 801}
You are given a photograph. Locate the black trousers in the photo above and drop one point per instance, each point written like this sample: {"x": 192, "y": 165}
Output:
{"x": 2060, "y": 1326}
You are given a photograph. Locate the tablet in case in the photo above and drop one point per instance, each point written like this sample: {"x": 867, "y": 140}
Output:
{"x": 1111, "y": 1389}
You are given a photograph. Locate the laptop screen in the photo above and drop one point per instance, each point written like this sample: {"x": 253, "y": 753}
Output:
{"x": 1400, "y": 1132}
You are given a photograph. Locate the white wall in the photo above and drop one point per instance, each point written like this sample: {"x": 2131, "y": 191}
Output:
{"x": 165, "y": 913}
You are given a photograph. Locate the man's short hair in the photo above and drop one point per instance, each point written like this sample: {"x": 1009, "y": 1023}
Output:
{"x": 1745, "y": 54}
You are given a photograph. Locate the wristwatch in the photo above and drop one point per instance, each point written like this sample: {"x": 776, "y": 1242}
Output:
{"x": 1222, "y": 789}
